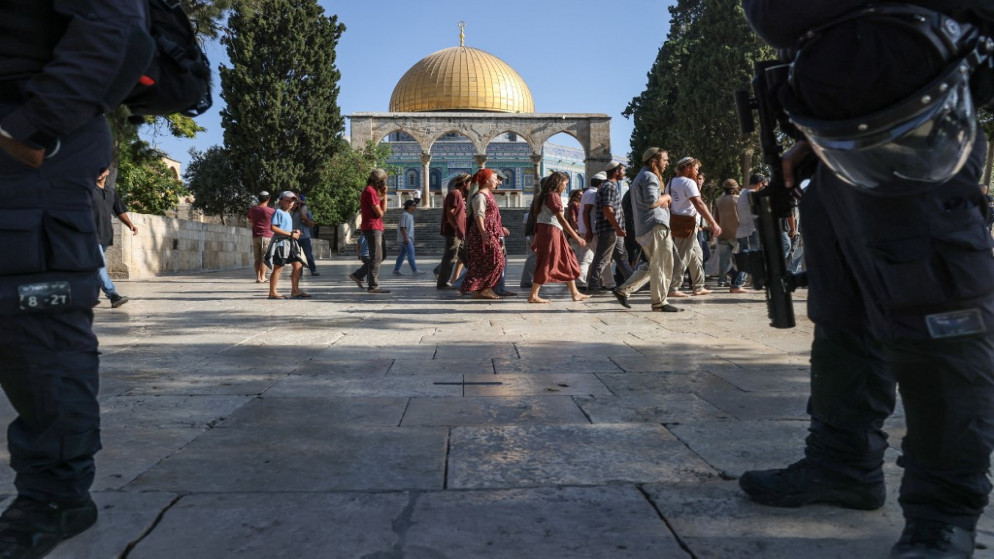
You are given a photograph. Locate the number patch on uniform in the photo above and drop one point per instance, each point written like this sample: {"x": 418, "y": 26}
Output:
{"x": 43, "y": 296}
{"x": 955, "y": 323}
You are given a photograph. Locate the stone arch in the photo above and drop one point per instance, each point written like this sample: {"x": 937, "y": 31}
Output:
{"x": 524, "y": 133}
{"x": 592, "y": 131}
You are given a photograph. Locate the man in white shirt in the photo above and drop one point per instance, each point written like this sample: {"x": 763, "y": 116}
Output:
{"x": 585, "y": 255}
{"x": 405, "y": 240}
{"x": 687, "y": 202}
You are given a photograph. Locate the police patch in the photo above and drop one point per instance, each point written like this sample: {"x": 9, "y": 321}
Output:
{"x": 44, "y": 296}
{"x": 955, "y": 323}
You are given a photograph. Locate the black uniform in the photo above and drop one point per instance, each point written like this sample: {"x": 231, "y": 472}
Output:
{"x": 57, "y": 58}
{"x": 888, "y": 275}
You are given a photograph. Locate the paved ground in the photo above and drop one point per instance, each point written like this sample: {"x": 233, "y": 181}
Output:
{"x": 425, "y": 425}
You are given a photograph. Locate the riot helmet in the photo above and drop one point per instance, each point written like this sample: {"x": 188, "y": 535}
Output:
{"x": 910, "y": 124}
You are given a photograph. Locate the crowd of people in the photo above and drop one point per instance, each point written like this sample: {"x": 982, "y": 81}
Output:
{"x": 281, "y": 236}
{"x": 601, "y": 242}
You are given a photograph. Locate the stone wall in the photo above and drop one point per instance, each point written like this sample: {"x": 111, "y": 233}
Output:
{"x": 168, "y": 245}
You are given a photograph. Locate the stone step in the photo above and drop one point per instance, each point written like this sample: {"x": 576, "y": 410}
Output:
{"x": 428, "y": 240}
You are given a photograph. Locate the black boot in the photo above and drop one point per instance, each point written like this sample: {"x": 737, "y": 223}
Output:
{"x": 931, "y": 539}
{"x": 29, "y": 529}
{"x": 802, "y": 483}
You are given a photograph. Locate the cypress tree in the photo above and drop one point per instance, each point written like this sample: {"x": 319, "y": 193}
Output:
{"x": 688, "y": 107}
{"x": 282, "y": 122}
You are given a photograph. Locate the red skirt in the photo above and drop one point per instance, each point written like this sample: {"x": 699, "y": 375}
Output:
{"x": 555, "y": 261}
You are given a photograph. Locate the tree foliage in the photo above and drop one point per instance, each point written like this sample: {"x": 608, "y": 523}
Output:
{"x": 214, "y": 185}
{"x": 145, "y": 183}
{"x": 687, "y": 107}
{"x": 282, "y": 122}
{"x": 336, "y": 199}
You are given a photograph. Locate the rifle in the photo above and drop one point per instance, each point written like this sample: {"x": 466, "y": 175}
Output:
{"x": 773, "y": 203}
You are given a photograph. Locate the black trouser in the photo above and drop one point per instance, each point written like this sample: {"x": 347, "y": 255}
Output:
{"x": 449, "y": 260}
{"x": 900, "y": 293}
{"x": 374, "y": 240}
{"x": 609, "y": 247}
{"x": 49, "y": 368}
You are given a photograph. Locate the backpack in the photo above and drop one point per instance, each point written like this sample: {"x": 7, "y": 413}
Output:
{"x": 177, "y": 79}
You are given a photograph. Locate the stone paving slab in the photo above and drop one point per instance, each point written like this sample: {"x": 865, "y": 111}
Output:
{"x": 563, "y": 384}
{"x": 301, "y": 413}
{"x": 166, "y": 411}
{"x": 715, "y": 521}
{"x": 471, "y": 366}
{"x": 424, "y": 425}
{"x": 665, "y": 382}
{"x": 571, "y": 364}
{"x": 122, "y": 518}
{"x": 326, "y": 458}
{"x": 358, "y": 385}
{"x": 519, "y": 456}
{"x": 751, "y": 405}
{"x": 581, "y": 522}
{"x": 335, "y": 361}
{"x": 649, "y": 408}
{"x": 271, "y": 525}
{"x": 543, "y": 410}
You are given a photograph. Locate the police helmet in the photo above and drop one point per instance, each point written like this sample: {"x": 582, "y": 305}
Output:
{"x": 902, "y": 143}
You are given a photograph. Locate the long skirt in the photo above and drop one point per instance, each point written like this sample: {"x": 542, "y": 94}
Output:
{"x": 485, "y": 262}
{"x": 555, "y": 261}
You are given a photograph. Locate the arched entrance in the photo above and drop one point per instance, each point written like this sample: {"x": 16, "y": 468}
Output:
{"x": 592, "y": 131}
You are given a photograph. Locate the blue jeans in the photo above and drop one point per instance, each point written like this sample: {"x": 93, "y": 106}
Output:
{"x": 106, "y": 285}
{"x": 406, "y": 251}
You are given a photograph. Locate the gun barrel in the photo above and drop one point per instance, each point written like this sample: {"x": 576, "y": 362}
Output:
{"x": 779, "y": 304}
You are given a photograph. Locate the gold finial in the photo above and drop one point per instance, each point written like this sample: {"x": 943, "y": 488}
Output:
{"x": 462, "y": 33}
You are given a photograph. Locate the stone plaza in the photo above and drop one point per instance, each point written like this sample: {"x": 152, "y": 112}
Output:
{"x": 422, "y": 424}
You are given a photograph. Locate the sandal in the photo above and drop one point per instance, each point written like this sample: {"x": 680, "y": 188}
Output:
{"x": 278, "y": 297}
{"x": 301, "y": 295}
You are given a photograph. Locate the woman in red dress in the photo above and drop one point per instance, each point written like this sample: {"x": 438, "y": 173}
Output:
{"x": 555, "y": 261}
{"x": 483, "y": 249}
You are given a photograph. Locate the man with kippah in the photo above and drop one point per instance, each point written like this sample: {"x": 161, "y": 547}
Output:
{"x": 652, "y": 231}
{"x": 260, "y": 218}
{"x": 899, "y": 259}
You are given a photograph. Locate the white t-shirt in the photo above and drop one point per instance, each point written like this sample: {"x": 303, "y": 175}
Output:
{"x": 589, "y": 197}
{"x": 747, "y": 224}
{"x": 406, "y": 220}
{"x": 682, "y": 189}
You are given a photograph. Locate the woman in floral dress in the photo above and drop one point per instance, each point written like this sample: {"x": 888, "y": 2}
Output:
{"x": 483, "y": 248}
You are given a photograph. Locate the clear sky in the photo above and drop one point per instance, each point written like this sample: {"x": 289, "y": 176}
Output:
{"x": 577, "y": 56}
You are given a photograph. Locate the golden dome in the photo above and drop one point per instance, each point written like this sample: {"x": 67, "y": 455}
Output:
{"x": 461, "y": 79}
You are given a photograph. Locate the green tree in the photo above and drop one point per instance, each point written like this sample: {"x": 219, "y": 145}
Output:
{"x": 214, "y": 184}
{"x": 145, "y": 183}
{"x": 688, "y": 107}
{"x": 336, "y": 199}
{"x": 282, "y": 122}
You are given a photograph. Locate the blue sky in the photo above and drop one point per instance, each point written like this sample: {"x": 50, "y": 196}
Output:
{"x": 577, "y": 56}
